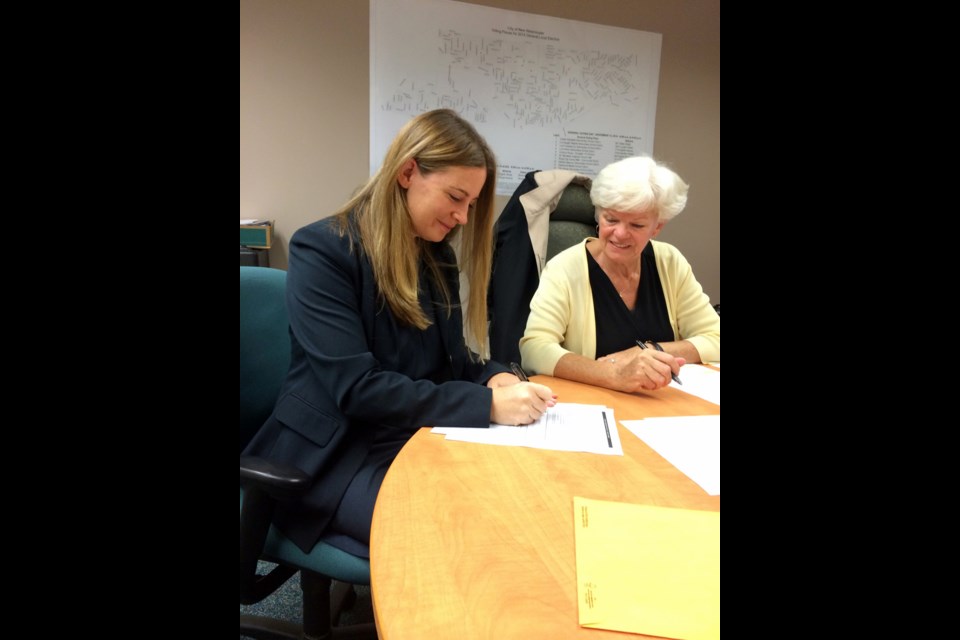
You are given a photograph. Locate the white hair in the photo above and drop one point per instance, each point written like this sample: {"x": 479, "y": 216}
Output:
{"x": 639, "y": 184}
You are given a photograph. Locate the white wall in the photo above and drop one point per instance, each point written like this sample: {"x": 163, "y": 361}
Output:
{"x": 304, "y": 107}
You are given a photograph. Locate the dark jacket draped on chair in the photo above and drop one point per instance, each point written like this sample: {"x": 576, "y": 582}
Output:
{"x": 520, "y": 252}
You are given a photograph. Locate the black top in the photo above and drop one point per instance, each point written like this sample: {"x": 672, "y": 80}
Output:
{"x": 619, "y": 328}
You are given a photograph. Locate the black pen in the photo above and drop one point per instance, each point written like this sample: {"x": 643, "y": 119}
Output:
{"x": 517, "y": 371}
{"x": 675, "y": 377}
{"x": 607, "y": 428}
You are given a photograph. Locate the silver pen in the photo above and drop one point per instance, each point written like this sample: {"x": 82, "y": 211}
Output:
{"x": 675, "y": 377}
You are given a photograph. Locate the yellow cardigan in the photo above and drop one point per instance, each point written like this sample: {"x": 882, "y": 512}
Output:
{"x": 562, "y": 317}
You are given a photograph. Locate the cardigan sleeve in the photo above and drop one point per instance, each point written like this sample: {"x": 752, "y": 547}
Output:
{"x": 561, "y": 314}
{"x": 691, "y": 314}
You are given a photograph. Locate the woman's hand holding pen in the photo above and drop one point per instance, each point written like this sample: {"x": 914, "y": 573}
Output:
{"x": 520, "y": 403}
{"x": 635, "y": 368}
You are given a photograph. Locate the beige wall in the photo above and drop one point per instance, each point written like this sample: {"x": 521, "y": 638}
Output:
{"x": 304, "y": 109}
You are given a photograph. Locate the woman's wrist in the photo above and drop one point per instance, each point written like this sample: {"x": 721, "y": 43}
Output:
{"x": 503, "y": 379}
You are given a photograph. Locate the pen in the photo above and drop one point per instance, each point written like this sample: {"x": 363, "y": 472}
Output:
{"x": 675, "y": 377}
{"x": 517, "y": 371}
{"x": 607, "y": 428}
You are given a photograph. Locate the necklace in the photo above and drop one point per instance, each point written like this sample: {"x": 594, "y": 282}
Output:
{"x": 632, "y": 279}
{"x": 630, "y": 286}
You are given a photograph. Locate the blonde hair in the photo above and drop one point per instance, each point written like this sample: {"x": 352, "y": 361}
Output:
{"x": 437, "y": 140}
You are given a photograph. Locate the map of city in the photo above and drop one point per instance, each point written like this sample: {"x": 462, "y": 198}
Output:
{"x": 545, "y": 92}
{"x": 520, "y": 83}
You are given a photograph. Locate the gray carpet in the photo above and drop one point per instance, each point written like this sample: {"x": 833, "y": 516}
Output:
{"x": 286, "y": 603}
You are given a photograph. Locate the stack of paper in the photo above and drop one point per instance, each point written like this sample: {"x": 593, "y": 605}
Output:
{"x": 567, "y": 426}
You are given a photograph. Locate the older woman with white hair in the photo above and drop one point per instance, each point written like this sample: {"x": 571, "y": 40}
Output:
{"x": 631, "y": 299}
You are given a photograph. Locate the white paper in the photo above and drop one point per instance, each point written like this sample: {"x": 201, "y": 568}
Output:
{"x": 690, "y": 443}
{"x": 567, "y": 426}
{"x": 699, "y": 381}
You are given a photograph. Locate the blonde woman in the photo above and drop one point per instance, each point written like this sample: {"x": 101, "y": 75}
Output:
{"x": 378, "y": 346}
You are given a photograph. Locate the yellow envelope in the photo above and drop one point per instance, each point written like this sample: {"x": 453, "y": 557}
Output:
{"x": 650, "y": 570}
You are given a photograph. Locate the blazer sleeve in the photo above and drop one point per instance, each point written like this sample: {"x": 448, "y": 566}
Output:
{"x": 336, "y": 319}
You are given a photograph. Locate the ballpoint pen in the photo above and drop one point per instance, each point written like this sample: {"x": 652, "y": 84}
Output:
{"x": 517, "y": 371}
{"x": 675, "y": 377}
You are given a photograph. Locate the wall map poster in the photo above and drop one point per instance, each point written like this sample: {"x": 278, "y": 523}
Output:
{"x": 546, "y": 93}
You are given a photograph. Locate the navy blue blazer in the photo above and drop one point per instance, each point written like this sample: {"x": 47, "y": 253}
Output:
{"x": 515, "y": 277}
{"x": 345, "y": 379}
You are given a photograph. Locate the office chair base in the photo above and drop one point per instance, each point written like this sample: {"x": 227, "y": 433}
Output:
{"x": 342, "y": 598}
{"x": 333, "y": 596}
{"x": 269, "y": 629}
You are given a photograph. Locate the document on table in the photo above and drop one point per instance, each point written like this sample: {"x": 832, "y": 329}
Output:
{"x": 690, "y": 443}
{"x": 646, "y": 569}
{"x": 700, "y": 381}
{"x": 567, "y": 426}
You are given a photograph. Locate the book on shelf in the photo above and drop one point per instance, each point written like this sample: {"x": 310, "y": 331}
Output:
{"x": 256, "y": 233}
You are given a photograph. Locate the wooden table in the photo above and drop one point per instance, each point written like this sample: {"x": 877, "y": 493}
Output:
{"x": 477, "y": 541}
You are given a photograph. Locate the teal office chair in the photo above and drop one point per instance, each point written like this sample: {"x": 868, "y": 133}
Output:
{"x": 264, "y": 359}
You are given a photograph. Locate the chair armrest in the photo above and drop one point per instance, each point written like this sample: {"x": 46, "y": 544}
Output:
{"x": 280, "y": 481}
{"x": 263, "y": 484}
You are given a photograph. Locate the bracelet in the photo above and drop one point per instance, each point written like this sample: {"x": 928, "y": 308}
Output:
{"x": 656, "y": 345}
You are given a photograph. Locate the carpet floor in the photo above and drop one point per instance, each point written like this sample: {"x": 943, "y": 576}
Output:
{"x": 286, "y": 603}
